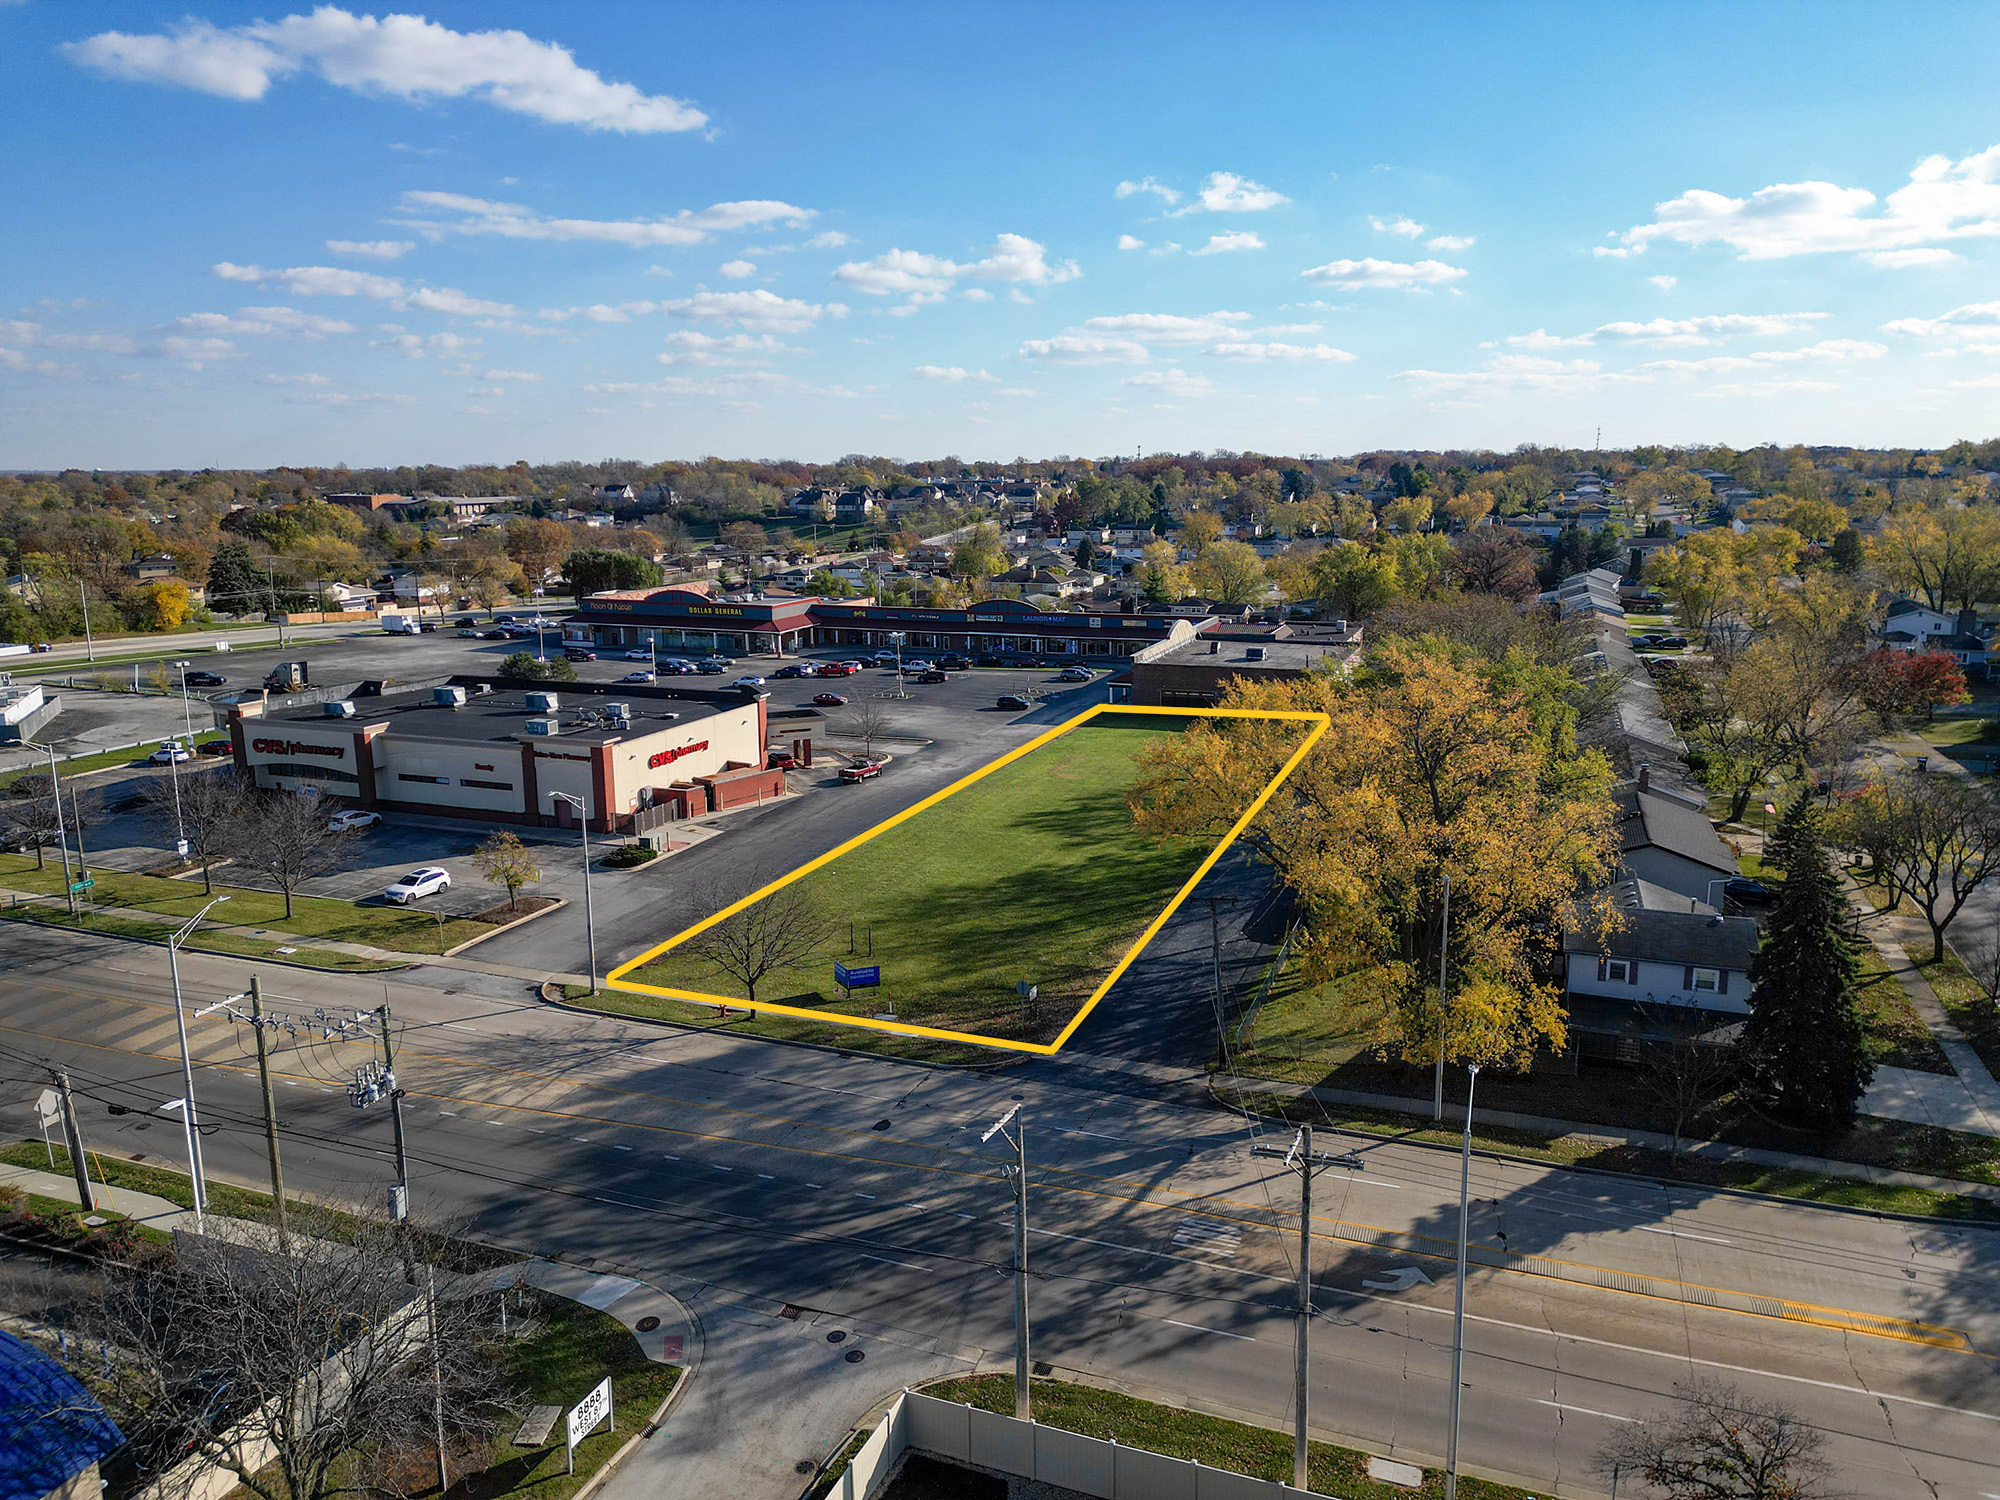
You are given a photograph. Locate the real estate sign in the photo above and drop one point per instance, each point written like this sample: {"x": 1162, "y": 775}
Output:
{"x": 584, "y": 1417}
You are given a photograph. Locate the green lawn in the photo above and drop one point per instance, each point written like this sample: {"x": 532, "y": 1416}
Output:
{"x": 1961, "y": 731}
{"x": 1033, "y": 873}
{"x": 1261, "y": 1452}
{"x": 398, "y": 928}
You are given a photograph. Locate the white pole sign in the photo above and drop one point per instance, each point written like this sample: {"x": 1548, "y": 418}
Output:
{"x": 584, "y": 1417}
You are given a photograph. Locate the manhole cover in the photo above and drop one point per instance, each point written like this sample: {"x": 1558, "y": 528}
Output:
{"x": 804, "y": 1466}
{"x": 648, "y": 1323}
{"x": 1043, "y": 1367}
{"x": 854, "y": 1356}
{"x": 835, "y": 1337}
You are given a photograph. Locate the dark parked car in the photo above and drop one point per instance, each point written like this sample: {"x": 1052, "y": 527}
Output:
{"x": 206, "y": 679}
{"x": 1673, "y": 643}
{"x": 710, "y": 668}
{"x": 1012, "y": 701}
{"x": 933, "y": 675}
{"x": 782, "y": 760}
{"x": 796, "y": 670}
{"x": 464, "y": 622}
{"x": 955, "y": 663}
{"x": 1747, "y": 892}
{"x": 829, "y": 700}
{"x": 578, "y": 653}
{"x": 988, "y": 659}
{"x": 214, "y": 747}
{"x": 493, "y": 635}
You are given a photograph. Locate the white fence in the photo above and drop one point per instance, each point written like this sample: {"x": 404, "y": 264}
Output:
{"x": 1028, "y": 1450}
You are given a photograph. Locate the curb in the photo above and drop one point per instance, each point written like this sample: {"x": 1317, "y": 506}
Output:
{"x": 666, "y": 1408}
{"x": 474, "y": 942}
{"x": 401, "y": 962}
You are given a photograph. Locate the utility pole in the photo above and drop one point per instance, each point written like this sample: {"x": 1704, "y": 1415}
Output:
{"x": 1302, "y": 1159}
{"x": 190, "y": 1122}
{"x": 437, "y": 1378}
{"x": 1023, "y": 1408}
{"x": 73, "y": 1134}
{"x": 89, "y": 644}
{"x": 62, "y": 829}
{"x": 1444, "y": 957}
{"x": 1458, "y": 1309}
{"x": 270, "y": 1115}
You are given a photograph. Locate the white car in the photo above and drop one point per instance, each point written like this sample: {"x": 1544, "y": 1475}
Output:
{"x": 748, "y": 682}
{"x": 352, "y": 821}
{"x": 418, "y": 884}
{"x": 638, "y": 656}
{"x": 639, "y": 677}
{"x": 171, "y": 753}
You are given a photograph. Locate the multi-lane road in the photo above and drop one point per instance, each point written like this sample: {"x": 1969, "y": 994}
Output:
{"x": 856, "y": 1188}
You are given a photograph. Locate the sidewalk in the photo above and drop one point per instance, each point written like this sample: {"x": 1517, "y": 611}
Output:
{"x": 141, "y": 1208}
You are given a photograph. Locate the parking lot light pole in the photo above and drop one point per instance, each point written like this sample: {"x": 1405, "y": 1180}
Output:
{"x": 1023, "y": 1406}
{"x": 896, "y": 639}
{"x": 62, "y": 832}
{"x": 1458, "y": 1310}
{"x": 589, "y": 923}
{"x": 189, "y": 1123}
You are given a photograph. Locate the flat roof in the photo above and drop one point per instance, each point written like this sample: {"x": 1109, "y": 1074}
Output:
{"x": 503, "y": 713}
{"x": 1288, "y": 656}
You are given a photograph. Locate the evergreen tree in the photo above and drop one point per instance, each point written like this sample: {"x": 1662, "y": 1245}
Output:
{"x": 1804, "y": 1041}
{"x": 236, "y": 585}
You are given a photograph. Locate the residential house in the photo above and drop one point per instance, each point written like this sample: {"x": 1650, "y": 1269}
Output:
{"x": 1910, "y": 626}
{"x": 811, "y": 505}
{"x": 1592, "y": 593}
{"x": 611, "y": 494}
{"x": 1674, "y": 966}
{"x": 1665, "y": 837}
{"x": 153, "y": 568}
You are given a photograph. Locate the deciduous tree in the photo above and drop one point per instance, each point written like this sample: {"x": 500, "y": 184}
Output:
{"x": 1719, "y": 1444}
{"x": 506, "y": 861}
{"x": 782, "y": 932}
{"x": 1229, "y": 573}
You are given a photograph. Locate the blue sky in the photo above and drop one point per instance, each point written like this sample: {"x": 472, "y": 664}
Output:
{"x": 246, "y": 236}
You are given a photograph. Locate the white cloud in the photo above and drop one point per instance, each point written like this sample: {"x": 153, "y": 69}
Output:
{"x": 1147, "y": 185}
{"x": 1513, "y": 374}
{"x": 1899, "y": 260}
{"x": 1280, "y": 330}
{"x": 912, "y": 273}
{"x": 373, "y": 249}
{"x": 1943, "y": 200}
{"x": 1979, "y": 320}
{"x": 416, "y": 346}
{"x": 1168, "y": 328}
{"x": 1226, "y": 193}
{"x": 831, "y": 239}
{"x": 338, "y": 281}
{"x": 950, "y": 374}
{"x": 737, "y": 270}
{"x": 1395, "y": 274}
{"x": 1130, "y": 242}
{"x": 1263, "y": 353}
{"x": 1220, "y": 243}
{"x": 1407, "y": 227}
{"x": 976, "y": 294}
{"x": 758, "y": 309}
{"x": 1682, "y": 332}
{"x": 689, "y": 346}
{"x": 260, "y": 320}
{"x": 1170, "y": 382}
{"x": 1016, "y": 390}
{"x": 402, "y": 55}
{"x": 1664, "y": 283}
{"x": 516, "y": 221}
{"x": 294, "y": 380}
{"x": 1084, "y": 349}
{"x": 446, "y": 299}
{"x": 736, "y": 386}
{"x": 512, "y": 375}
{"x": 1450, "y": 242}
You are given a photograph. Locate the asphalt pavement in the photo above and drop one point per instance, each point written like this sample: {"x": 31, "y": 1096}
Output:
{"x": 855, "y": 1188}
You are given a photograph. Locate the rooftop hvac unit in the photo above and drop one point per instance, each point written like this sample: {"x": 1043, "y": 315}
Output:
{"x": 343, "y": 709}
{"x": 1254, "y": 653}
{"x": 618, "y": 710}
{"x": 543, "y": 726}
{"x": 448, "y": 697}
{"x": 543, "y": 703}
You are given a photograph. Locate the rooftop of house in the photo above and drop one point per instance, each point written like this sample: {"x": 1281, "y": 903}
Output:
{"x": 1657, "y": 928}
{"x": 1652, "y": 817}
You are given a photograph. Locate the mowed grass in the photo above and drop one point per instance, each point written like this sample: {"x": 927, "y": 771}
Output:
{"x": 1033, "y": 873}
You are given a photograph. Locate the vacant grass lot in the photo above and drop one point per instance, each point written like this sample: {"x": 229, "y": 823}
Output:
{"x": 400, "y": 928}
{"x": 1033, "y": 873}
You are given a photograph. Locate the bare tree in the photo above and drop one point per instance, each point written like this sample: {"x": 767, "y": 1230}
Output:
{"x": 869, "y": 722}
{"x": 326, "y": 1353}
{"x": 32, "y": 821}
{"x": 1982, "y": 961}
{"x": 1945, "y": 844}
{"x": 783, "y": 931}
{"x": 503, "y": 859}
{"x": 1719, "y": 1444}
{"x": 210, "y": 805}
{"x": 1685, "y": 1073}
{"x": 284, "y": 835}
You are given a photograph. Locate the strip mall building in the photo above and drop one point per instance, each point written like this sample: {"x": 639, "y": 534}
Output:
{"x": 629, "y": 755}
{"x": 681, "y": 620}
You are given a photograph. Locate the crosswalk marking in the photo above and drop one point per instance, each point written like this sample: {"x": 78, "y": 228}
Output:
{"x": 1207, "y": 1237}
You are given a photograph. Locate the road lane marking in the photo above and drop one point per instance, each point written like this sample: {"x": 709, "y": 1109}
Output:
{"x": 767, "y": 1176}
{"x": 1221, "y": 1333}
{"x": 865, "y": 1195}
{"x": 1682, "y": 1234}
{"x": 616, "y": 1147}
{"x": 906, "y": 1265}
{"x": 820, "y": 1185}
{"x": 1609, "y": 1416}
{"x": 669, "y": 1156}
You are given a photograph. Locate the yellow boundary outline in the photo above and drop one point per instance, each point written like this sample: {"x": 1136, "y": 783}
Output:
{"x": 1321, "y": 723}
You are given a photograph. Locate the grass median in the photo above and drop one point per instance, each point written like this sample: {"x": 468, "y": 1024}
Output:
{"x": 398, "y": 928}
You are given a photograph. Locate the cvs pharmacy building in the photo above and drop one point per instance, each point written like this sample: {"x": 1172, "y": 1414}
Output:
{"x": 629, "y": 755}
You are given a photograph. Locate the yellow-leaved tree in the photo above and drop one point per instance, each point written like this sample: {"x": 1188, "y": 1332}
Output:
{"x": 1439, "y": 762}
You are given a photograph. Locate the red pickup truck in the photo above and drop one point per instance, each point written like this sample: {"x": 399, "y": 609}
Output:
{"x": 861, "y": 771}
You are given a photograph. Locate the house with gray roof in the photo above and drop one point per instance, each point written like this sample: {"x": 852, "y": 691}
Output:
{"x": 1665, "y": 837}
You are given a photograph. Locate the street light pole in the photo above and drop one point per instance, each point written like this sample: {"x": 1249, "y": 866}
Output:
{"x": 190, "y": 1124}
{"x": 89, "y": 644}
{"x": 1023, "y": 1405}
{"x": 1458, "y": 1300}
{"x": 589, "y": 921}
{"x": 1444, "y": 957}
{"x": 62, "y": 831}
